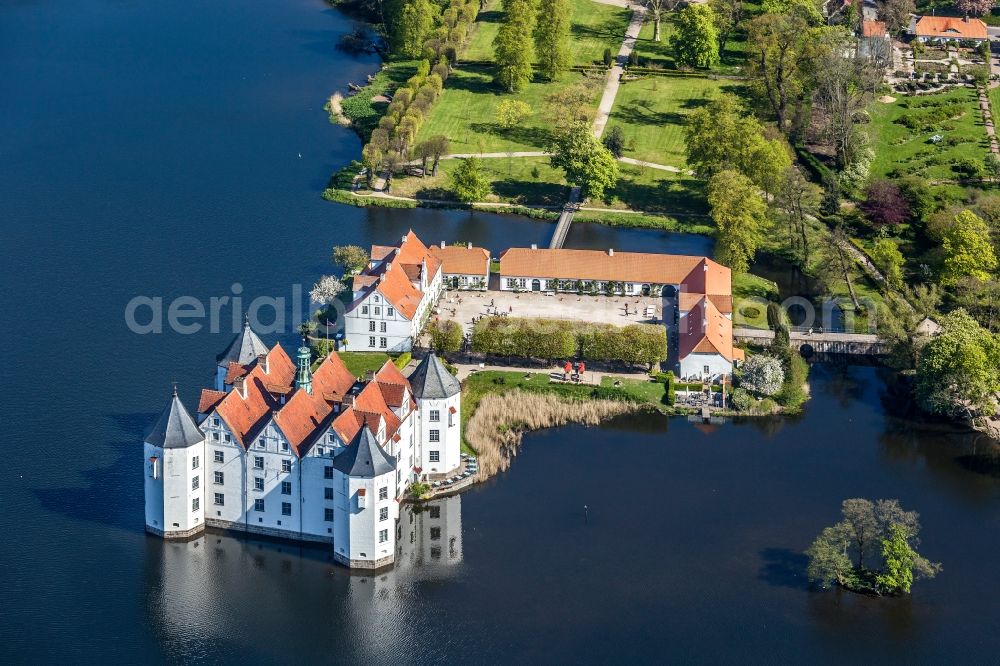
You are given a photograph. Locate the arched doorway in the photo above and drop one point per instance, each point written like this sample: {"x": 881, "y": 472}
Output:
{"x": 645, "y": 290}
{"x": 668, "y": 291}
{"x": 536, "y": 285}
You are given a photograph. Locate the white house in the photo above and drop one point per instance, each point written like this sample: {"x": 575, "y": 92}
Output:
{"x": 393, "y": 297}
{"x": 266, "y": 456}
{"x": 463, "y": 266}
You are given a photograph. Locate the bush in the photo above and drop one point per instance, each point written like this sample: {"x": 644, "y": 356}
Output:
{"x": 608, "y": 58}
{"x": 403, "y": 360}
{"x": 419, "y": 489}
{"x": 446, "y": 336}
{"x": 741, "y": 399}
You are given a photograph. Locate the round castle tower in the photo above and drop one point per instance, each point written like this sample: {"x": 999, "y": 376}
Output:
{"x": 174, "y": 453}
{"x": 439, "y": 432}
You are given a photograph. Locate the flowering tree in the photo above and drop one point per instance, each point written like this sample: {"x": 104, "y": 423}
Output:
{"x": 975, "y": 7}
{"x": 326, "y": 290}
{"x": 762, "y": 374}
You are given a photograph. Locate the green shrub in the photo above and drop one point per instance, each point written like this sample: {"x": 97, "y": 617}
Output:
{"x": 741, "y": 399}
{"x": 403, "y": 360}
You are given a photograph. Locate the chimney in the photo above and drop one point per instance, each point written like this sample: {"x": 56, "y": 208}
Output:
{"x": 402, "y": 240}
{"x": 348, "y": 400}
{"x": 388, "y": 266}
{"x": 442, "y": 245}
{"x": 534, "y": 246}
{"x": 369, "y": 375}
{"x": 611, "y": 251}
{"x": 468, "y": 246}
{"x": 262, "y": 362}
{"x": 240, "y": 384}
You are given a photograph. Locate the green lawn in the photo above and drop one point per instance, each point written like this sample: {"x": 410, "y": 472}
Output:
{"x": 901, "y": 151}
{"x": 512, "y": 179}
{"x": 466, "y": 111}
{"x": 595, "y": 27}
{"x": 749, "y": 293}
{"x": 658, "y": 191}
{"x": 651, "y": 113}
{"x": 643, "y": 390}
{"x": 361, "y": 362}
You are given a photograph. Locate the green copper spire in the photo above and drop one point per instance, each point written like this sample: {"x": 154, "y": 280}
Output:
{"x": 303, "y": 378}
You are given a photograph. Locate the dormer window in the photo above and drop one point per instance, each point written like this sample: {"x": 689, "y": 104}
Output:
{"x": 215, "y": 422}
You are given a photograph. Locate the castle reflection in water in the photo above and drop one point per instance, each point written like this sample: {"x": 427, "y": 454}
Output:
{"x": 217, "y": 588}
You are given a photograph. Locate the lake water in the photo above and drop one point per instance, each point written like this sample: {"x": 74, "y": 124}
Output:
{"x": 153, "y": 148}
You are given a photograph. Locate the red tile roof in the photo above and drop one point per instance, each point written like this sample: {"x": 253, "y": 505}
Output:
{"x": 948, "y": 27}
{"x": 645, "y": 267}
{"x": 397, "y": 270}
{"x": 462, "y": 260}
{"x": 873, "y": 28}
{"x": 708, "y": 331}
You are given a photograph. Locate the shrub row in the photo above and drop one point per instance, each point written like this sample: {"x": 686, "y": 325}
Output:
{"x": 557, "y": 339}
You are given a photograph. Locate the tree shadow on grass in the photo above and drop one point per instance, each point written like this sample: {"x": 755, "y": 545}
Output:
{"x": 610, "y": 28}
{"x": 665, "y": 196}
{"x": 477, "y": 80}
{"x": 492, "y": 16}
{"x": 784, "y": 568}
{"x": 640, "y": 112}
{"x": 530, "y": 136}
{"x": 530, "y": 192}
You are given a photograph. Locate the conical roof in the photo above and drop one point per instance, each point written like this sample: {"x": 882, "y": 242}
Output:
{"x": 364, "y": 457}
{"x": 244, "y": 348}
{"x": 432, "y": 380}
{"x": 175, "y": 429}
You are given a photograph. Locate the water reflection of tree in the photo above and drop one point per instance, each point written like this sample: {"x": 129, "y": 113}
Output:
{"x": 841, "y": 384}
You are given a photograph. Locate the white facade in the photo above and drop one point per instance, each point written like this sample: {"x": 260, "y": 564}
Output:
{"x": 707, "y": 367}
{"x": 528, "y": 283}
{"x": 440, "y": 434}
{"x": 365, "y": 515}
{"x": 376, "y": 325}
{"x": 174, "y": 489}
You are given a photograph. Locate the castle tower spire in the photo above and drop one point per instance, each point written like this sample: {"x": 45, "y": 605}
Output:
{"x": 303, "y": 378}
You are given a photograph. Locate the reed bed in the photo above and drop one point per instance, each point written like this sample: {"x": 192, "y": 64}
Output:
{"x": 500, "y": 421}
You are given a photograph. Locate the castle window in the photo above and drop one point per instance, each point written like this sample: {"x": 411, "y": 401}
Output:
{"x": 378, "y": 311}
{"x": 435, "y": 533}
{"x": 215, "y": 422}
{"x": 195, "y": 483}
{"x": 227, "y": 438}
{"x": 390, "y": 312}
{"x": 383, "y": 492}
{"x": 220, "y": 456}
{"x": 382, "y": 343}
{"x": 381, "y": 327}
{"x": 220, "y": 478}
{"x": 371, "y": 341}
{"x": 258, "y": 505}
{"x": 328, "y": 493}
{"x": 328, "y": 515}
{"x": 215, "y": 436}
{"x": 258, "y": 483}
{"x": 436, "y": 552}
{"x": 286, "y": 487}
{"x": 435, "y": 512}
{"x": 286, "y": 508}
{"x": 262, "y": 443}
{"x": 435, "y": 415}
{"x": 383, "y": 513}
{"x": 286, "y": 465}
{"x": 258, "y": 462}
{"x": 195, "y": 504}
{"x": 383, "y": 536}
{"x": 220, "y": 499}
{"x": 364, "y": 309}
{"x": 327, "y": 472}
{"x": 319, "y": 450}
{"x": 371, "y": 325}
{"x": 284, "y": 446}
{"x": 195, "y": 462}
{"x": 434, "y": 435}
{"x": 434, "y": 456}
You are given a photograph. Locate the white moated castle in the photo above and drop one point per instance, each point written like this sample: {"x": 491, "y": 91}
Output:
{"x": 281, "y": 450}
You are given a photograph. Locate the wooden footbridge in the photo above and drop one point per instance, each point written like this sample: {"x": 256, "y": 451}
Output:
{"x": 808, "y": 341}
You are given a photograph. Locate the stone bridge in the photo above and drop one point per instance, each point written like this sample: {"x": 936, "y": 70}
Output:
{"x": 808, "y": 343}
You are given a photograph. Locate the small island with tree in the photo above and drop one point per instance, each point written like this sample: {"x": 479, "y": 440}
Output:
{"x": 872, "y": 550}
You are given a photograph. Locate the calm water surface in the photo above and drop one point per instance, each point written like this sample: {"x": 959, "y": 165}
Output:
{"x": 153, "y": 148}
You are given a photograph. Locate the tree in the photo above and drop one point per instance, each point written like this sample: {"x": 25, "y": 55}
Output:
{"x": 895, "y": 13}
{"x": 740, "y": 216}
{"x": 552, "y": 37}
{"x": 568, "y": 105}
{"x": 885, "y": 204}
{"x": 614, "y": 140}
{"x": 899, "y": 558}
{"x": 991, "y": 166}
{"x": 654, "y": 11}
{"x": 886, "y": 255}
{"x": 513, "y": 47}
{"x": 413, "y": 24}
{"x": 727, "y": 15}
{"x": 585, "y": 160}
{"x": 975, "y": 7}
{"x": 469, "y": 182}
{"x": 842, "y": 92}
{"x": 778, "y": 64}
{"x": 326, "y": 290}
{"x": 967, "y": 249}
{"x": 798, "y": 199}
{"x": 762, "y": 374}
{"x": 696, "y": 41}
{"x": 511, "y": 112}
{"x": 808, "y": 9}
{"x": 446, "y": 336}
{"x": 828, "y": 560}
{"x": 958, "y": 371}
{"x": 352, "y": 258}
{"x": 439, "y": 145}
{"x": 371, "y": 157}
{"x": 423, "y": 151}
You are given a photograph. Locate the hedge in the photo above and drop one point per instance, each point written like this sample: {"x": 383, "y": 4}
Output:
{"x": 557, "y": 339}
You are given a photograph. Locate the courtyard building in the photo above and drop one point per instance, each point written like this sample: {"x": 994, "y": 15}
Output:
{"x": 463, "y": 266}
